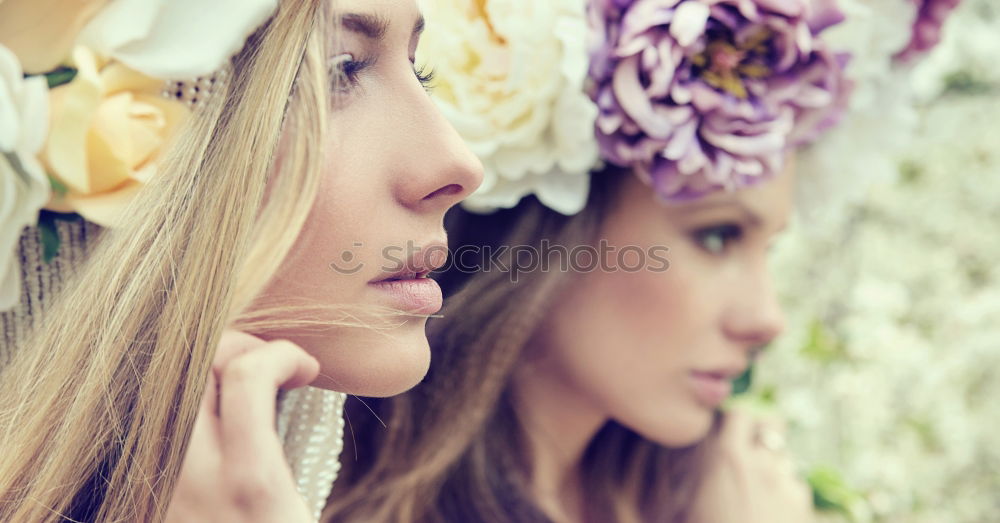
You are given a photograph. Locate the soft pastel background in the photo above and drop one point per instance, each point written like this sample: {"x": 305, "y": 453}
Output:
{"x": 890, "y": 369}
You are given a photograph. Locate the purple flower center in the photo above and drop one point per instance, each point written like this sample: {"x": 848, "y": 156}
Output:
{"x": 726, "y": 63}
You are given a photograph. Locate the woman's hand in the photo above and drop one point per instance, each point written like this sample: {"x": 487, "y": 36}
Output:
{"x": 749, "y": 478}
{"x": 235, "y": 468}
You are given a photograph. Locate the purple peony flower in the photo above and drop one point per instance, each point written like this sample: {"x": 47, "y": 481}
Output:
{"x": 931, "y": 16}
{"x": 697, "y": 95}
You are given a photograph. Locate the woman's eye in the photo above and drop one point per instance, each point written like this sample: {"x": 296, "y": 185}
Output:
{"x": 344, "y": 71}
{"x": 718, "y": 238}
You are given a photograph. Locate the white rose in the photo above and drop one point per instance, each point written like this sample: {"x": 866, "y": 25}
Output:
{"x": 510, "y": 77}
{"x": 174, "y": 39}
{"x": 24, "y": 187}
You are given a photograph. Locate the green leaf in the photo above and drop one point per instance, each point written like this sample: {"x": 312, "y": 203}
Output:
{"x": 926, "y": 432}
{"x": 757, "y": 405}
{"x": 831, "y": 493}
{"x": 58, "y": 187}
{"x": 768, "y": 395}
{"x": 60, "y": 76}
{"x": 742, "y": 384}
{"x": 965, "y": 83}
{"x": 910, "y": 172}
{"x": 823, "y": 345}
{"x": 49, "y": 235}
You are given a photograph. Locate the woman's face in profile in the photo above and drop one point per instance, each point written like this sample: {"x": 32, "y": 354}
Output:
{"x": 393, "y": 167}
{"x": 655, "y": 349}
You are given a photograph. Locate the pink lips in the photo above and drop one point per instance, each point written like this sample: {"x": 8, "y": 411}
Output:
{"x": 409, "y": 288}
{"x": 417, "y": 295}
{"x": 712, "y": 388}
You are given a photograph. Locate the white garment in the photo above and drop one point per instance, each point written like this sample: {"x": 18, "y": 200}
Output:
{"x": 311, "y": 428}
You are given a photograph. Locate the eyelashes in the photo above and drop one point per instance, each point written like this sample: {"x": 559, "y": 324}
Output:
{"x": 425, "y": 76}
{"x": 345, "y": 72}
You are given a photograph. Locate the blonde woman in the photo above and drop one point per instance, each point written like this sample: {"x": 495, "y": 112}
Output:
{"x": 593, "y": 330}
{"x": 322, "y": 148}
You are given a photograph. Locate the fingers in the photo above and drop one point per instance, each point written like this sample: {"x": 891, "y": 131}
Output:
{"x": 748, "y": 466}
{"x": 756, "y": 432}
{"x": 210, "y": 397}
{"x": 201, "y": 459}
{"x": 205, "y": 434}
{"x": 769, "y": 434}
{"x": 757, "y": 444}
{"x": 737, "y": 430}
{"x": 232, "y": 344}
{"x": 234, "y": 468}
{"x": 248, "y": 396}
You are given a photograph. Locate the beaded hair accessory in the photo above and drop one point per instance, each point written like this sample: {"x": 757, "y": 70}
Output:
{"x": 196, "y": 92}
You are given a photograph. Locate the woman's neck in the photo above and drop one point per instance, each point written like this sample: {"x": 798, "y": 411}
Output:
{"x": 559, "y": 424}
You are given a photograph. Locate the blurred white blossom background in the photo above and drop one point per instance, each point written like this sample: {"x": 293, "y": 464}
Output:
{"x": 890, "y": 369}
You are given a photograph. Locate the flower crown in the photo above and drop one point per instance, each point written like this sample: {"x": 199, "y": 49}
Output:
{"x": 693, "y": 96}
{"x": 88, "y": 98}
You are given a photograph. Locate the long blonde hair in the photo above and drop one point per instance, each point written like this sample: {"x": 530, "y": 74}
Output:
{"x": 97, "y": 406}
{"x": 453, "y": 449}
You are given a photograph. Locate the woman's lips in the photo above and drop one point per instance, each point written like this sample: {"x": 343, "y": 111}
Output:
{"x": 408, "y": 287}
{"x": 711, "y": 388}
{"x": 419, "y": 295}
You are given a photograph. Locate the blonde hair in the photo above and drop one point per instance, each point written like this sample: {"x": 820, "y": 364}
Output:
{"x": 97, "y": 407}
{"x": 454, "y": 448}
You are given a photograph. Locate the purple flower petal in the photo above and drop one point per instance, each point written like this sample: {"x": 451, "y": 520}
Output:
{"x": 701, "y": 95}
{"x": 689, "y": 22}
{"x": 931, "y": 16}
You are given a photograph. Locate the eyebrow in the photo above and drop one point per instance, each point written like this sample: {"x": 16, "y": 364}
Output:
{"x": 373, "y": 26}
{"x": 752, "y": 217}
{"x": 370, "y": 25}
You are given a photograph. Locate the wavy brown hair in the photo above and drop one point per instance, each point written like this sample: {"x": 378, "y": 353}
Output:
{"x": 454, "y": 449}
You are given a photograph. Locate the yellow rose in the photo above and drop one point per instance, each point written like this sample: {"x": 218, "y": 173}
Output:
{"x": 42, "y": 32}
{"x": 109, "y": 126}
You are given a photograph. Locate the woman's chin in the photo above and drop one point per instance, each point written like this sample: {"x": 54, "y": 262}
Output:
{"x": 680, "y": 430}
{"x": 379, "y": 365}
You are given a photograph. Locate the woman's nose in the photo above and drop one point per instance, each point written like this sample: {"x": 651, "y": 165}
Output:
{"x": 755, "y": 317}
{"x": 438, "y": 169}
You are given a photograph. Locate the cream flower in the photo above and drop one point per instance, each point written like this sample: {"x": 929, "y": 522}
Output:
{"x": 24, "y": 187}
{"x": 510, "y": 79}
{"x": 41, "y": 32}
{"x": 109, "y": 126}
{"x": 174, "y": 39}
